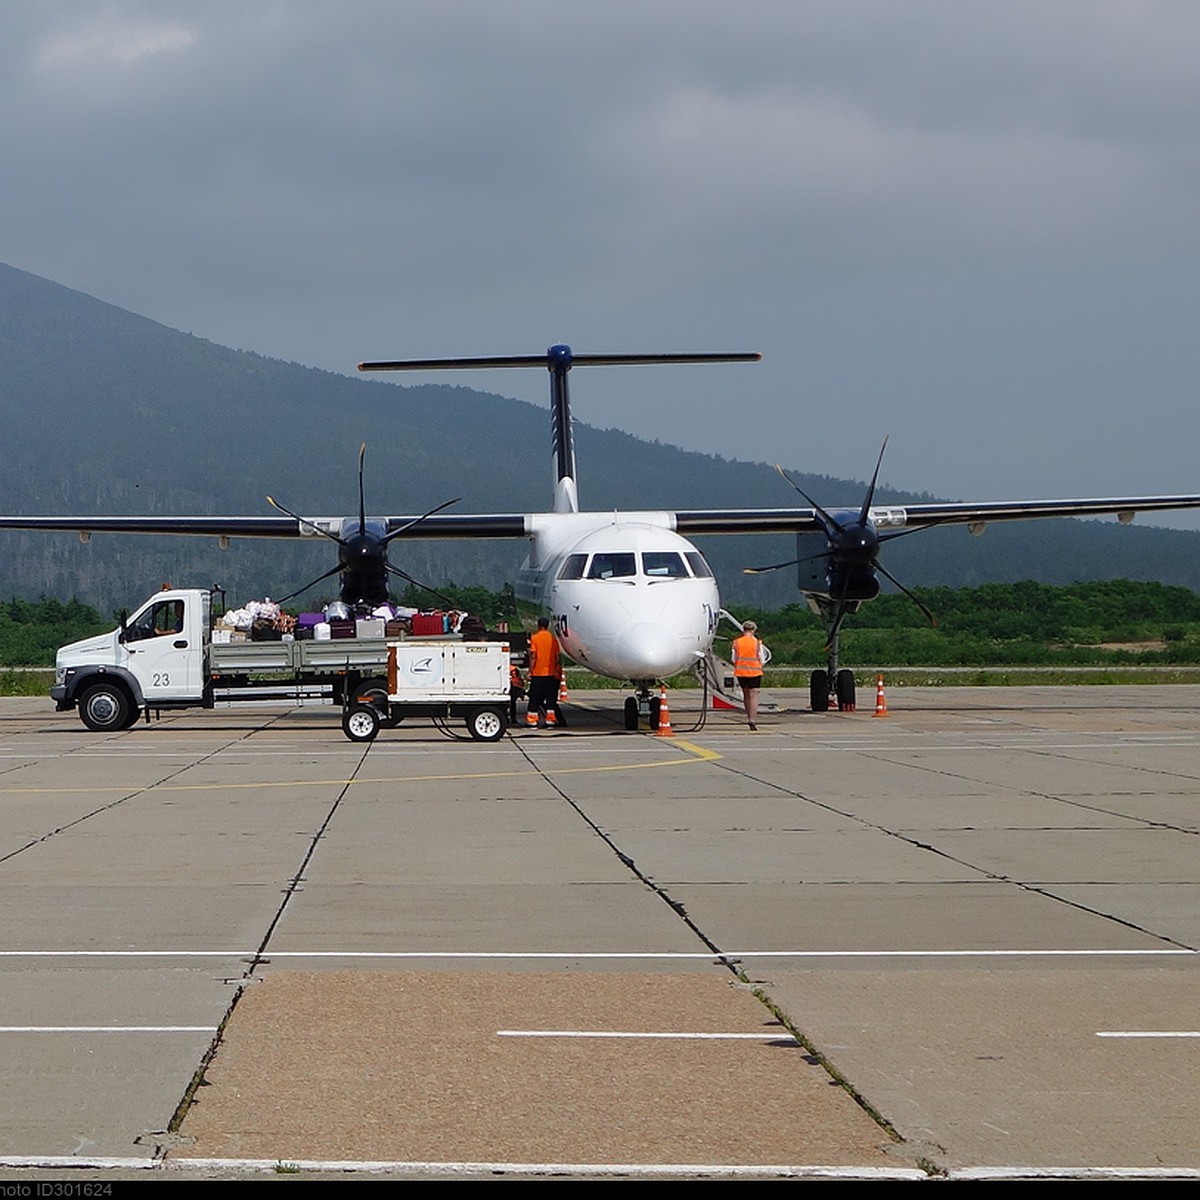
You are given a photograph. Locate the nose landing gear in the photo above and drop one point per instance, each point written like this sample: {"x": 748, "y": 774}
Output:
{"x": 644, "y": 706}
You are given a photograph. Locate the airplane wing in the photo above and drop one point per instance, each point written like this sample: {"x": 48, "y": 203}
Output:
{"x": 442, "y": 525}
{"x": 271, "y": 527}
{"x": 689, "y": 522}
{"x": 694, "y": 522}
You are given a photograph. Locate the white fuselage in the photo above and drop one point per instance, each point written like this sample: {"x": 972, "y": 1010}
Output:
{"x": 627, "y": 596}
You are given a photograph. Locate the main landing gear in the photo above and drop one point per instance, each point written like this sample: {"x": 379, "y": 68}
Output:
{"x": 841, "y": 696}
{"x": 832, "y": 688}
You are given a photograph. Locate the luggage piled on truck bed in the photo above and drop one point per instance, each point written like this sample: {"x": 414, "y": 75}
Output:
{"x": 264, "y": 621}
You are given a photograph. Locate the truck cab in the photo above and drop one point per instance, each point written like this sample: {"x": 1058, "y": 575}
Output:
{"x": 157, "y": 657}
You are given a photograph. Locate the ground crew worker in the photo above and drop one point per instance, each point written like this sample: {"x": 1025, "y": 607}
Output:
{"x": 545, "y": 674}
{"x": 748, "y": 659}
{"x": 516, "y": 691}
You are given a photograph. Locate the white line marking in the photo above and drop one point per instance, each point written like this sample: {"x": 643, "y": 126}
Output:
{"x": 1149, "y": 1033}
{"x": 781, "y": 1035}
{"x": 976, "y": 1173}
{"x": 606, "y": 955}
{"x": 108, "y": 1029}
{"x": 587, "y": 1169}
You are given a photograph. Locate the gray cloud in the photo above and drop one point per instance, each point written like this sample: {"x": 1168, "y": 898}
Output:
{"x": 970, "y": 226}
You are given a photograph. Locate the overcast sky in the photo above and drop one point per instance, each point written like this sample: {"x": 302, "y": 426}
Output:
{"x": 969, "y": 224}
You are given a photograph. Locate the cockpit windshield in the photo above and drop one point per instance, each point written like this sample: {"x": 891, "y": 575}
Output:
{"x": 663, "y": 564}
{"x": 612, "y": 566}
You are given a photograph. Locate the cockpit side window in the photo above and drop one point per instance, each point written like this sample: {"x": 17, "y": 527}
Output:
{"x": 573, "y": 567}
{"x": 612, "y": 566}
{"x": 700, "y": 568}
{"x": 663, "y": 564}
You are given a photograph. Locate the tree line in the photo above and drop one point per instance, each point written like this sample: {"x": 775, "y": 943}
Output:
{"x": 992, "y": 624}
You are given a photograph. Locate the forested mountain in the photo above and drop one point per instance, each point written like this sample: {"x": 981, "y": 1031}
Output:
{"x": 108, "y": 412}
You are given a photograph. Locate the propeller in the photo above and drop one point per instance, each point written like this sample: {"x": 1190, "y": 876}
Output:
{"x": 362, "y": 557}
{"x": 852, "y": 549}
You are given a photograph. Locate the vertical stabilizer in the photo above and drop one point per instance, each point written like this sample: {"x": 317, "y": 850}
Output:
{"x": 566, "y": 497}
{"x": 560, "y": 360}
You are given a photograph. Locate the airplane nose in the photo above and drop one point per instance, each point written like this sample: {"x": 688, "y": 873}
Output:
{"x": 654, "y": 647}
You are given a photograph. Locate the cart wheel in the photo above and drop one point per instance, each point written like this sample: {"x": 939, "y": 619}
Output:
{"x": 375, "y": 691}
{"x": 361, "y": 723}
{"x": 486, "y": 724}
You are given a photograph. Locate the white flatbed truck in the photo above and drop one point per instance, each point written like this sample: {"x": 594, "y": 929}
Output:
{"x": 164, "y": 657}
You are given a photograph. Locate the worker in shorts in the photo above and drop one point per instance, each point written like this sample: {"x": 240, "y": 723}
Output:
{"x": 749, "y": 654}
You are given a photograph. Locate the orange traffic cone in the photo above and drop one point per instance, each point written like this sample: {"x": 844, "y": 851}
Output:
{"x": 664, "y": 716}
{"x": 563, "y": 698}
{"x": 880, "y": 698}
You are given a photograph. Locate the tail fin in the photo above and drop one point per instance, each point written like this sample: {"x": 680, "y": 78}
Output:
{"x": 559, "y": 359}
{"x": 566, "y": 497}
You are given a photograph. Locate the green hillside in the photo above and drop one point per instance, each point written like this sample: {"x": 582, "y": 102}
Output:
{"x": 109, "y": 412}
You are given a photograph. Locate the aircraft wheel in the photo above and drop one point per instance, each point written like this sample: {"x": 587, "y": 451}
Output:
{"x": 361, "y": 723}
{"x": 845, "y": 690}
{"x": 105, "y": 708}
{"x": 486, "y": 724}
{"x": 655, "y": 711}
{"x": 818, "y": 691}
{"x": 631, "y": 714}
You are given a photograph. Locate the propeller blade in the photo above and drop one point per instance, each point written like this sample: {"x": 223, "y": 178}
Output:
{"x": 362, "y": 502}
{"x": 899, "y": 533}
{"x": 888, "y": 575}
{"x": 417, "y": 583}
{"x": 826, "y": 520}
{"x": 287, "y": 512}
{"x": 795, "y": 562}
{"x": 293, "y": 595}
{"x": 866, "y": 508}
{"x": 416, "y": 521}
{"x": 772, "y": 567}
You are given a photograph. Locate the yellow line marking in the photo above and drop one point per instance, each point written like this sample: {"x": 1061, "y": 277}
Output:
{"x": 697, "y": 754}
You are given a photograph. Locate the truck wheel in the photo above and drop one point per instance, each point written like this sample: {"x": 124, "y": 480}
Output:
{"x": 361, "y": 723}
{"x": 105, "y": 707}
{"x": 486, "y": 724}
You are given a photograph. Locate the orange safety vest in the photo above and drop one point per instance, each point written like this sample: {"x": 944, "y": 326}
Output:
{"x": 543, "y": 654}
{"x": 747, "y": 656}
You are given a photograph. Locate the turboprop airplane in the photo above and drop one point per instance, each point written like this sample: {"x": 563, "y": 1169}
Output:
{"x": 628, "y": 594}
